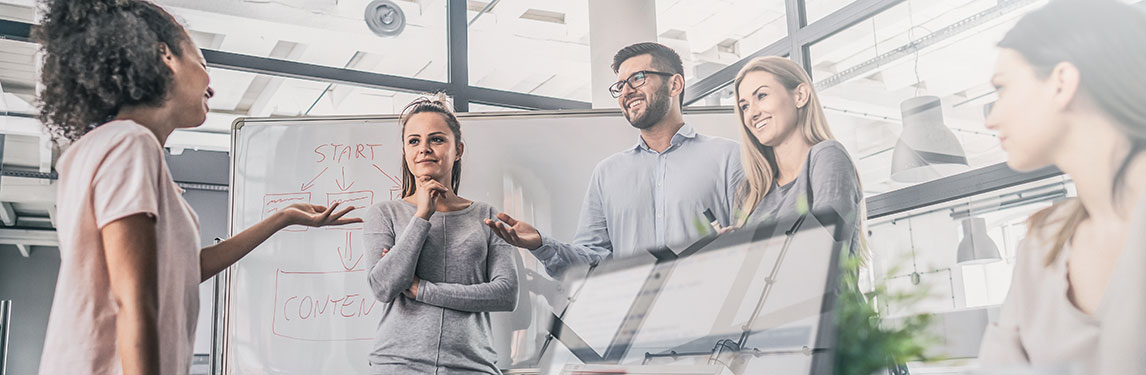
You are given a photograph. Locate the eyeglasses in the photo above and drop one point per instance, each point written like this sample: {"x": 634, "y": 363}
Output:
{"x": 635, "y": 80}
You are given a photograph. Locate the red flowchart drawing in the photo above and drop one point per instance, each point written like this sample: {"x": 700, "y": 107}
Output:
{"x": 338, "y": 153}
{"x": 343, "y": 186}
{"x": 360, "y": 199}
{"x": 396, "y": 188}
{"x": 306, "y": 186}
{"x": 274, "y": 202}
{"x": 346, "y": 254}
{"x": 325, "y": 306}
{"x": 307, "y": 310}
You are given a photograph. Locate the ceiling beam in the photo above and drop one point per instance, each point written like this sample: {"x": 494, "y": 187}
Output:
{"x": 292, "y": 69}
{"x": 16, "y": 30}
{"x": 33, "y": 221}
{"x": 458, "y": 70}
{"x": 7, "y": 214}
{"x": 29, "y": 237}
{"x": 45, "y": 154}
{"x": 25, "y": 250}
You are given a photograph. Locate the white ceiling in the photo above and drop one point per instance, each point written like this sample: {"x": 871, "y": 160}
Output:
{"x": 541, "y": 47}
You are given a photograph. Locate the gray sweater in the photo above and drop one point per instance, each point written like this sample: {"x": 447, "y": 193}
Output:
{"x": 831, "y": 176}
{"x": 466, "y": 272}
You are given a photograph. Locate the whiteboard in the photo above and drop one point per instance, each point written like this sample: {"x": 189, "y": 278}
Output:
{"x": 300, "y": 303}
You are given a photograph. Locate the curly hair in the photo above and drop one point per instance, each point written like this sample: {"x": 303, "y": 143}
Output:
{"x": 100, "y": 56}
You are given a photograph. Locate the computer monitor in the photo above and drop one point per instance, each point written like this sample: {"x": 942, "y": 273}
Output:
{"x": 755, "y": 300}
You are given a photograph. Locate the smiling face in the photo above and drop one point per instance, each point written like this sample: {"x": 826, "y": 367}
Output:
{"x": 1028, "y": 113}
{"x": 768, "y": 109}
{"x": 648, "y": 104}
{"x": 430, "y": 147}
{"x": 190, "y": 87}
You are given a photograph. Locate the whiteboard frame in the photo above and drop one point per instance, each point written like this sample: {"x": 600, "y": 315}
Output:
{"x": 220, "y": 333}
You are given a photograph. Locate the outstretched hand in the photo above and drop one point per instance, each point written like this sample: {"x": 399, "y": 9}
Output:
{"x": 317, "y": 216}
{"x": 516, "y": 233}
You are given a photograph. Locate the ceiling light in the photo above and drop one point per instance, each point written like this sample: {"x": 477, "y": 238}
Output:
{"x": 976, "y": 247}
{"x": 926, "y": 148}
{"x": 385, "y": 18}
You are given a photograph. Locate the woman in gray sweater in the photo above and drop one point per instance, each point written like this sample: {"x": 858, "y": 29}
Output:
{"x": 792, "y": 163}
{"x": 434, "y": 265}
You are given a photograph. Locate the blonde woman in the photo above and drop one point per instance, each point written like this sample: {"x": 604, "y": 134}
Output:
{"x": 1070, "y": 84}
{"x": 792, "y": 163}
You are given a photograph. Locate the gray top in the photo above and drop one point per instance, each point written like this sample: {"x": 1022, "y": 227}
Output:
{"x": 829, "y": 176}
{"x": 639, "y": 199}
{"x": 466, "y": 272}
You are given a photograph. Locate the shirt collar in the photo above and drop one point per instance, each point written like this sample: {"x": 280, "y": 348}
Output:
{"x": 686, "y": 132}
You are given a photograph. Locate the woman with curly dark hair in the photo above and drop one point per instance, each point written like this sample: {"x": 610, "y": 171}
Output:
{"x": 119, "y": 76}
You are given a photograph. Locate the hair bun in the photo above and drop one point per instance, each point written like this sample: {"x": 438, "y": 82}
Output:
{"x": 437, "y": 101}
{"x": 442, "y": 99}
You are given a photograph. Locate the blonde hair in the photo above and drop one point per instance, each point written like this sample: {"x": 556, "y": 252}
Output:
{"x": 759, "y": 161}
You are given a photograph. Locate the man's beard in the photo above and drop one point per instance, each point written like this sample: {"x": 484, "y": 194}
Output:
{"x": 655, "y": 109}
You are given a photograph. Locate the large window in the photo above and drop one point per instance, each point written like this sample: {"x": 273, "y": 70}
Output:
{"x": 327, "y": 33}
{"x": 868, "y": 73}
{"x": 928, "y": 249}
{"x": 532, "y": 47}
{"x": 817, "y": 9}
{"x": 242, "y": 94}
{"x": 710, "y": 35}
{"x": 260, "y": 95}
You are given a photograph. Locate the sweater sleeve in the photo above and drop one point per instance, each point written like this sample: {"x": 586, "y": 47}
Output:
{"x": 835, "y": 184}
{"x": 499, "y": 293}
{"x": 394, "y": 273}
{"x": 591, "y": 244}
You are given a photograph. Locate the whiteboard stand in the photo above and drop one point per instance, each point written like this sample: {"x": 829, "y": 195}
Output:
{"x": 283, "y": 158}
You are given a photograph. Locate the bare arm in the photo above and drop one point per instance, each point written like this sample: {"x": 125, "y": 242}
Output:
{"x": 216, "y": 258}
{"x": 132, "y": 261}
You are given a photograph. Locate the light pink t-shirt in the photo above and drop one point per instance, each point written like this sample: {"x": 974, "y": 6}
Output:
{"x": 115, "y": 171}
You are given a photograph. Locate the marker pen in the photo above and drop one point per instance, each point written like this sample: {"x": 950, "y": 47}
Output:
{"x": 712, "y": 219}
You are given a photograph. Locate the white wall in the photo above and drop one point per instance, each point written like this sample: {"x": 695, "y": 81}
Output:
{"x": 30, "y": 284}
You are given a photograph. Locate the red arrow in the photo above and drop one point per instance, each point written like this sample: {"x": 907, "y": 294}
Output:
{"x": 396, "y": 182}
{"x": 310, "y": 184}
{"x": 343, "y": 181}
{"x": 349, "y": 255}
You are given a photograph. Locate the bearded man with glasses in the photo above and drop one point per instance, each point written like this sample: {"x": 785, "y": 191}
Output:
{"x": 650, "y": 196}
